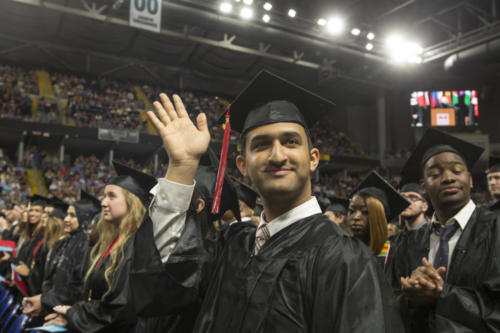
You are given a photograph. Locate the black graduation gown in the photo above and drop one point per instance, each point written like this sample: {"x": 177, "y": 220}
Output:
{"x": 309, "y": 277}
{"x": 470, "y": 300}
{"x": 25, "y": 254}
{"x": 113, "y": 312}
{"x": 35, "y": 278}
{"x": 165, "y": 314}
{"x": 12, "y": 233}
{"x": 495, "y": 207}
{"x": 65, "y": 270}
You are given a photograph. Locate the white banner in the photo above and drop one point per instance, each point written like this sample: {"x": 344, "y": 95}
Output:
{"x": 145, "y": 14}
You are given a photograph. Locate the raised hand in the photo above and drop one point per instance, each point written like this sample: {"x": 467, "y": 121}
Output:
{"x": 183, "y": 141}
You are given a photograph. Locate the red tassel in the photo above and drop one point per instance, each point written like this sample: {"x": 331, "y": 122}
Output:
{"x": 222, "y": 165}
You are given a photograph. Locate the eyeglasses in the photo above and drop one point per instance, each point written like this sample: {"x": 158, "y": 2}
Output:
{"x": 412, "y": 197}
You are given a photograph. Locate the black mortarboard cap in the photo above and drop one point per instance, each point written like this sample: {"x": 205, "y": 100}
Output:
{"x": 134, "y": 181}
{"x": 245, "y": 193}
{"x": 86, "y": 208}
{"x": 206, "y": 177}
{"x": 413, "y": 187}
{"x": 38, "y": 200}
{"x": 376, "y": 186}
{"x": 493, "y": 164}
{"x": 338, "y": 205}
{"x": 60, "y": 209}
{"x": 270, "y": 99}
{"x": 435, "y": 142}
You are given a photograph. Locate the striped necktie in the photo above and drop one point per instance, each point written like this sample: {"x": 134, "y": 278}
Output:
{"x": 261, "y": 237}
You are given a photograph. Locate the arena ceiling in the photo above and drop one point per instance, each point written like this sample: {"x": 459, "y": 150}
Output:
{"x": 201, "y": 48}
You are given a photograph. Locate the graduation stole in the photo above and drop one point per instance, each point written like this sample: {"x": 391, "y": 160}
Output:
{"x": 108, "y": 250}
{"x": 40, "y": 242}
{"x": 106, "y": 253}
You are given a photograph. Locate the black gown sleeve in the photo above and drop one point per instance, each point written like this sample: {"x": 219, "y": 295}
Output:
{"x": 360, "y": 299}
{"x": 114, "y": 312}
{"x": 163, "y": 289}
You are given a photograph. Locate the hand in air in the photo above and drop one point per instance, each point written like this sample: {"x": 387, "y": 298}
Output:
{"x": 183, "y": 141}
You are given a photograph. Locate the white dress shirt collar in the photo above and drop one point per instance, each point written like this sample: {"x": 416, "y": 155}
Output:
{"x": 308, "y": 208}
{"x": 462, "y": 217}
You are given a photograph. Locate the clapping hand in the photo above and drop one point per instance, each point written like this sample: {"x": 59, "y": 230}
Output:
{"x": 424, "y": 285}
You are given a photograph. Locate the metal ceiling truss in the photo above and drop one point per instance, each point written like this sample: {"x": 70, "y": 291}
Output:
{"x": 92, "y": 11}
{"x": 121, "y": 61}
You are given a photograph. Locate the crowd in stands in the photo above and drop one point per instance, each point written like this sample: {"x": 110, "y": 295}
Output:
{"x": 107, "y": 103}
{"x": 91, "y": 173}
{"x": 99, "y": 102}
{"x": 13, "y": 184}
{"x": 16, "y": 85}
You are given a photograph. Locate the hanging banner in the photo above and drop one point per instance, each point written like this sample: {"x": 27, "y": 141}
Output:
{"x": 145, "y": 14}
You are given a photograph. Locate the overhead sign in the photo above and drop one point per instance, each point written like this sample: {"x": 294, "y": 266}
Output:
{"x": 118, "y": 135}
{"x": 145, "y": 14}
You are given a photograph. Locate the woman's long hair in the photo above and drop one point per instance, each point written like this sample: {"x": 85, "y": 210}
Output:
{"x": 29, "y": 230}
{"x": 377, "y": 223}
{"x": 108, "y": 232}
{"x": 54, "y": 231}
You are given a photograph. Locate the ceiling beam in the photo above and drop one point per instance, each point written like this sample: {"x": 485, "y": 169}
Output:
{"x": 395, "y": 9}
{"x": 96, "y": 15}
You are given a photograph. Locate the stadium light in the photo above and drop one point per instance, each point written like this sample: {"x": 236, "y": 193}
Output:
{"x": 370, "y": 35}
{"x": 355, "y": 31}
{"x": 321, "y": 22}
{"x": 335, "y": 25}
{"x": 266, "y": 18}
{"x": 248, "y": 2}
{"x": 369, "y": 46}
{"x": 267, "y": 6}
{"x": 246, "y": 13}
{"x": 292, "y": 12}
{"x": 226, "y": 7}
{"x": 401, "y": 50}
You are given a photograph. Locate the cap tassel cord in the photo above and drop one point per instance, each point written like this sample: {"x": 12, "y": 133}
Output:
{"x": 222, "y": 165}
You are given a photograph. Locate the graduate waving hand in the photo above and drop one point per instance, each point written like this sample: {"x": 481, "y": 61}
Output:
{"x": 184, "y": 142}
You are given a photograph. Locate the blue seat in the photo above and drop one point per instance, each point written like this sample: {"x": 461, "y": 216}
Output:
{"x": 18, "y": 325}
{"x": 3, "y": 296}
{"x": 6, "y": 304}
{"x": 10, "y": 314}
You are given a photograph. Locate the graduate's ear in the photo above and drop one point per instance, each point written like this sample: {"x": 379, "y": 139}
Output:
{"x": 422, "y": 185}
{"x": 200, "y": 205}
{"x": 471, "y": 181}
{"x": 313, "y": 159}
{"x": 241, "y": 165}
{"x": 425, "y": 206}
